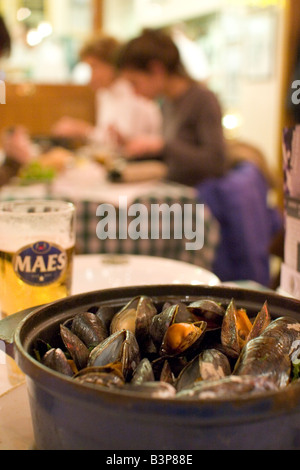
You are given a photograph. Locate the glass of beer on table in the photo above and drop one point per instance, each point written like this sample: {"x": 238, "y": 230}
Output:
{"x": 37, "y": 243}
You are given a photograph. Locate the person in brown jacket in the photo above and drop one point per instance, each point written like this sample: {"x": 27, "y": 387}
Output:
{"x": 192, "y": 146}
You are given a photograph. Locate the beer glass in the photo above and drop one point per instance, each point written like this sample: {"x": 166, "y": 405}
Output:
{"x": 37, "y": 240}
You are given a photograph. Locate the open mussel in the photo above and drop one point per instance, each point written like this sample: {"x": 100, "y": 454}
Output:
{"x": 210, "y": 364}
{"x": 174, "y": 338}
{"x": 161, "y": 322}
{"x": 119, "y": 348}
{"x": 136, "y": 317}
{"x": 209, "y": 311}
{"x": 237, "y": 328}
{"x": 182, "y": 338}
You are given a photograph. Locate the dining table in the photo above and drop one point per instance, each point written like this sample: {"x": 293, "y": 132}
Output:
{"x": 90, "y": 273}
{"x": 86, "y": 184}
{"x": 111, "y": 262}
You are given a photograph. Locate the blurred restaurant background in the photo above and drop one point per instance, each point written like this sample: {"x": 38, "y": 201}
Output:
{"x": 244, "y": 50}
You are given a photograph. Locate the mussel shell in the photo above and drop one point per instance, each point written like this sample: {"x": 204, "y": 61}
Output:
{"x": 263, "y": 357}
{"x": 159, "y": 390}
{"x": 89, "y": 328}
{"x": 119, "y": 348}
{"x": 183, "y": 314}
{"x": 161, "y": 322}
{"x": 125, "y": 319}
{"x": 295, "y": 352}
{"x": 167, "y": 374}
{"x": 261, "y": 322}
{"x": 189, "y": 340}
{"x": 56, "y": 360}
{"x": 269, "y": 354}
{"x": 143, "y": 373}
{"x": 209, "y": 311}
{"x": 175, "y": 366}
{"x": 210, "y": 364}
{"x": 108, "y": 377}
{"x": 231, "y": 387}
{"x": 214, "y": 365}
{"x": 105, "y": 314}
{"x": 286, "y": 330}
{"x": 229, "y": 336}
{"x": 76, "y": 348}
{"x": 146, "y": 311}
{"x": 136, "y": 317}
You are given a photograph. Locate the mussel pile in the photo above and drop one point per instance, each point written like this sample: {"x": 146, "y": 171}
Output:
{"x": 193, "y": 351}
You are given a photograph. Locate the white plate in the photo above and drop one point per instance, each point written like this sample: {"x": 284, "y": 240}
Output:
{"x": 97, "y": 272}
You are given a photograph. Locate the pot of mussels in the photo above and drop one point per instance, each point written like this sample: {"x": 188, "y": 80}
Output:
{"x": 162, "y": 368}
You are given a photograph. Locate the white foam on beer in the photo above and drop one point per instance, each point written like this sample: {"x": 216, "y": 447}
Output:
{"x": 20, "y": 230}
{"x": 15, "y": 243}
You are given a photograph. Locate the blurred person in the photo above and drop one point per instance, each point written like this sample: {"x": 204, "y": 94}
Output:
{"x": 251, "y": 223}
{"x": 192, "y": 145}
{"x": 18, "y": 152}
{"x": 5, "y": 39}
{"x": 120, "y": 114}
{"x": 16, "y": 143}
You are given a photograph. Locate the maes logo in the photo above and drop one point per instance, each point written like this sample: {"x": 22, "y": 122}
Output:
{"x": 40, "y": 264}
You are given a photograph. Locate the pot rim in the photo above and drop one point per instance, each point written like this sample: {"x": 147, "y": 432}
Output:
{"x": 268, "y": 403}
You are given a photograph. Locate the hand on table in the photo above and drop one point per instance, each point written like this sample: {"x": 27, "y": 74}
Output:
{"x": 72, "y": 128}
{"x": 17, "y": 145}
{"x": 144, "y": 145}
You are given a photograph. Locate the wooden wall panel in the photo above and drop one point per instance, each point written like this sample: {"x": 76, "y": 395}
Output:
{"x": 98, "y": 15}
{"x": 38, "y": 107}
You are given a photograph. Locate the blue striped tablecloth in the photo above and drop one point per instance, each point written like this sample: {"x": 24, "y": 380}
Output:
{"x": 89, "y": 243}
{"x": 88, "y": 200}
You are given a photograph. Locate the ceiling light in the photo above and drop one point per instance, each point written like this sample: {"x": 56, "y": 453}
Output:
{"x": 23, "y": 14}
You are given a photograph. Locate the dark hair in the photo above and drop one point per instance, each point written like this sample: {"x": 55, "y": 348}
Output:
{"x": 5, "y": 40}
{"x": 151, "y": 45}
{"x": 104, "y": 48}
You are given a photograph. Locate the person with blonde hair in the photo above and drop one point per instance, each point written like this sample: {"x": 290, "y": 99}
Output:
{"x": 121, "y": 115}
